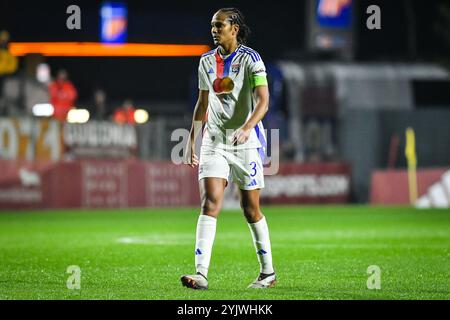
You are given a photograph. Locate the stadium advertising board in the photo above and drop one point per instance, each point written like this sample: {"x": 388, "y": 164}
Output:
{"x": 27, "y": 139}
{"x": 135, "y": 183}
{"x": 308, "y": 183}
{"x": 99, "y": 139}
{"x": 23, "y": 185}
{"x": 104, "y": 184}
{"x": 390, "y": 187}
{"x": 33, "y": 139}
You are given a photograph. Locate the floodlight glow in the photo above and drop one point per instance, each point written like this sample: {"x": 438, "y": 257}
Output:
{"x": 140, "y": 116}
{"x": 78, "y": 116}
{"x": 43, "y": 110}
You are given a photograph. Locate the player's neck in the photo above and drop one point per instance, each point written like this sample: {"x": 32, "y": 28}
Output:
{"x": 228, "y": 48}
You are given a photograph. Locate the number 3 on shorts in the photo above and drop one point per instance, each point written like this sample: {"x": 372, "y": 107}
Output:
{"x": 253, "y": 166}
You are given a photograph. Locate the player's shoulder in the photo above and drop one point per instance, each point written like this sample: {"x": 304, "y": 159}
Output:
{"x": 208, "y": 54}
{"x": 251, "y": 53}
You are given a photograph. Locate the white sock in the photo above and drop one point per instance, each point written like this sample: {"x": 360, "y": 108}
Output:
{"x": 260, "y": 234}
{"x": 206, "y": 232}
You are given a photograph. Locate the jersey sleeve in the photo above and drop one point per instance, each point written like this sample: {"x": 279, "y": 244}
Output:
{"x": 202, "y": 83}
{"x": 258, "y": 75}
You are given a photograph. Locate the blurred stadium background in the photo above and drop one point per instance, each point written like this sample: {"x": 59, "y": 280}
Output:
{"x": 87, "y": 125}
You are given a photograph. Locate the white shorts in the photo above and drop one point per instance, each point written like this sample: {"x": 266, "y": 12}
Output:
{"x": 244, "y": 166}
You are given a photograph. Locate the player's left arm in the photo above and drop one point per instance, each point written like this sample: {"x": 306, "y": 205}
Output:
{"x": 258, "y": 79}
{"x": 261, "y": 93}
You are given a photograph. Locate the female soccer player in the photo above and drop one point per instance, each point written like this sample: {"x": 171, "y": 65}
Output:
{"x": 233, "y": 99}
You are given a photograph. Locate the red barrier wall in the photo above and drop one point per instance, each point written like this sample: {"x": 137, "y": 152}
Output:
{"x": 135, "y": 183}
{"x": 96, "y": 184}
{"x": 308, "y": 183}
{"x": 391, "y": 186}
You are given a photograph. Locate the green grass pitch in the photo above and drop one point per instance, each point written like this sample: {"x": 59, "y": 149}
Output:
{"x": 319, "y": 252}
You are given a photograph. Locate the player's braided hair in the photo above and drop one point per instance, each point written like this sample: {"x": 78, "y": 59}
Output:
{"x": 236, "y": 17}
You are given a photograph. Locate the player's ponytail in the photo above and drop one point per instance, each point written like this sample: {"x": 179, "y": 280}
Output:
{"x": 243, "y": 34}
{"x": 236, "y": 17}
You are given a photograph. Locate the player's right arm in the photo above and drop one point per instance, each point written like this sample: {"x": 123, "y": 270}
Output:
{"x": 197, "y": 123}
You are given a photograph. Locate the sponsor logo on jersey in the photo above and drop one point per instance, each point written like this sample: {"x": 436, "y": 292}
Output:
{"x": 211, "y": 70}
{"x": 259, "y": 71}
{"x": 235, "y": 68}
{"x": 253, "y": 183}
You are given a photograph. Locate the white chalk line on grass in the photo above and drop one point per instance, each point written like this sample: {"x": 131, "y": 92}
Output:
{"x": 309, "y": 234}
{"x": 158, "y": 239}
{"x": 295, "y": 242}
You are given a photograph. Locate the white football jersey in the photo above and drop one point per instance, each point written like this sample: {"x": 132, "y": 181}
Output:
{"x": 229, "y": 111}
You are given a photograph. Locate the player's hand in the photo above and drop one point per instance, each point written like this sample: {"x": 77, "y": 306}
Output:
{"x": 193, "y": 161}
{"x": 241, "y": 135}
{"x": 191, "y": 158}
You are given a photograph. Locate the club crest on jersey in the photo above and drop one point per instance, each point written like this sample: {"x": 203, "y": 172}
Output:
{"x": 235, "y": 67}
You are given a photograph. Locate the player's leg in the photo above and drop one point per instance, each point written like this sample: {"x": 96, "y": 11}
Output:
{"x": 249, "y": 200}
{"x": 261, "y": 239}
{"x": 247, "y": 170}
{"x": 213, "y": 175}
{"x": 211, "y": 193}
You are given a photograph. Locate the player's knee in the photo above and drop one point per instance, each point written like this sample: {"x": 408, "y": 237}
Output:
{"x": 251, "y": 211}
{"x": 210, "y": 207}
